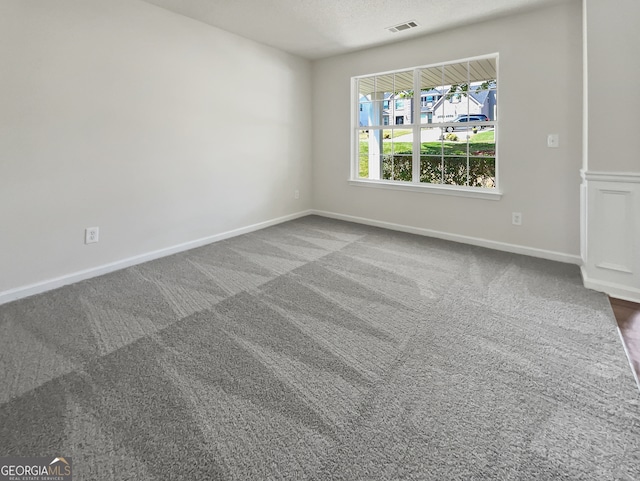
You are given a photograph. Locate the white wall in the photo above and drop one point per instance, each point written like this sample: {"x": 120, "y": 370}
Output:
{"x": 540, "y": 75}
{"x": 613, "y": 38}
{"x": 156, "y": 128}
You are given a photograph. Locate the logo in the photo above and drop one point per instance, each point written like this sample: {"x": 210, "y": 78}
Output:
{"x": 35, "y": 469}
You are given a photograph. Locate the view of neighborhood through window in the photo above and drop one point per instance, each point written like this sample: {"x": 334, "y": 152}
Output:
{"x": 454, "y": 121}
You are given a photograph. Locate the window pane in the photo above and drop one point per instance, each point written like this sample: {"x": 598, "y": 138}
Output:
{"x": 455, "y": 74}
{"x": 365, "y": 109}
{"x": 431, "y": 92}
{"x": 397, "y": 154}
{"x": 431, "y": 78}
{"x": 456, "y": 102}
{"x": 482, "y": 172}
{"x": 402, "y": 95}
{"x": 397, "y": 167}
{"x": 365, "y": 87}
{"x": 431, "y": 140}
{"x": 426, "y": 112}
{"x": 455, "y": 90}
{"x": 483, "y": 143}
{"x": 369, "y": 152}
{"x": 363, "y": 154}
{"x": 431, "y": 169}
{"x": 483, "y": 99}
{"x": 491, "y": 104}
{"x": 384, "y": 86}
{"x": 399, "y": 141}
{"x": 482, "y": 161}
{"x": 453, "y": 145}
{"x": 455, "y": 170}
{"x": 465, "y": 127}
{"x": 483, "y": 88}
{"x": 483, "y": 70}
{"x": 372, "y": 113}
{"x": 403, "y": 82}
{"x": 449, "y": 107}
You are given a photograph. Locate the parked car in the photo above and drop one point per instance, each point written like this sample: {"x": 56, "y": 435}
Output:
{"x": 464, "y": 121}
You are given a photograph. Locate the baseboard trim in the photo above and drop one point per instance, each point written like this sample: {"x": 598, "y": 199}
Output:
{"x": 50, "y": 284}
{"x": 626, "y": 293}
{"x": 476, "y": 241}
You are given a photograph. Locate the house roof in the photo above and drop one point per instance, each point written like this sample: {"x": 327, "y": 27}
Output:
{"x": 480, "y": 96}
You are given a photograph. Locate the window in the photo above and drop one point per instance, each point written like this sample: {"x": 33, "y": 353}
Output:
{"x": 427, "y": 101}
{"x": 451, "y": 143}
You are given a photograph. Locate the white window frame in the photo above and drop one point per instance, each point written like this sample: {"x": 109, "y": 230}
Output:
{"x": 416, "y": 186}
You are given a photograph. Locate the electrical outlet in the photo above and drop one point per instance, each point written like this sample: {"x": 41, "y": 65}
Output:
{"x": 516, "y": 218}
{"x": 91, "y": 235}
{"x": 296, "y": 194}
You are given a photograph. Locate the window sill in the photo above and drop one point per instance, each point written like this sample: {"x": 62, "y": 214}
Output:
{"x": 459, "y": 191}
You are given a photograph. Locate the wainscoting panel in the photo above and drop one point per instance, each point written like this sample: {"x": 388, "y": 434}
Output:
{"x": 611, "y": 235}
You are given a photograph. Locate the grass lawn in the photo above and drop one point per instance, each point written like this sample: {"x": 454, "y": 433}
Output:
{"x": 484, "y": 136}
{"x": 398, "y": 132}
{"x": 389, "y": 134}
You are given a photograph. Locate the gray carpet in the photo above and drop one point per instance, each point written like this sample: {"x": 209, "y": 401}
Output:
{"x": 323, "y": 350}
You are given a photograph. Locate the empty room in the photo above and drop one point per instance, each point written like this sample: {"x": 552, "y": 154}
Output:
{"x": 303, "y": 240}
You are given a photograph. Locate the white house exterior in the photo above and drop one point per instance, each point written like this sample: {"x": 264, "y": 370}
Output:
{"x": 451, "y": 106}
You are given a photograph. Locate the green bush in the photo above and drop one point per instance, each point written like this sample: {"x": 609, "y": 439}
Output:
{"x": 397, "y": 167}
{"x": 433, "y": 170}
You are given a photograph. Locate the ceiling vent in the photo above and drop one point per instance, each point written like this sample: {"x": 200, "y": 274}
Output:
{"x": 402, "y": 26}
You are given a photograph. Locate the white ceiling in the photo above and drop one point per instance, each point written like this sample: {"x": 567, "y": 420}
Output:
{"x": 321, "y": 28}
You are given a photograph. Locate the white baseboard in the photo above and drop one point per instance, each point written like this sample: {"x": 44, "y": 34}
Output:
{"x": 50, "y": 284}
{"x": 476, "y": 241}
{"x": 618, "y": 291}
